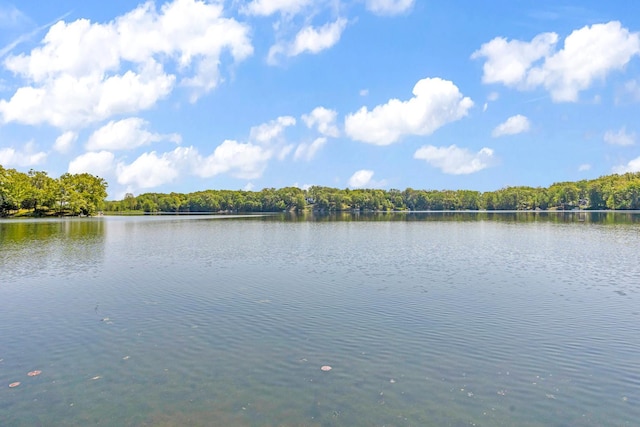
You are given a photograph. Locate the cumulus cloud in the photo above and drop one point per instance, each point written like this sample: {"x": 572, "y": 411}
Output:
{"x": 388, "y": 7}
{"x": 620, "y": 137}
{"x": 68, "y": 102}
{"x": 271, "y": 130}
{"x": 309, "y": 40}
{"x": 22, "y": 158}
{"x": 246, "y": 161}
{"x": 238, "y": 159}
{"x": 565, "y": 72}
{"x": 435, "y": 103}
{"x": 125, "y": 134}
{"x": 308, "y": 151}
{"x": 314, "y": 40}
{"x": 65, "y": 141}
{"x": 508, "y": 62}
{"x": 455, "y": 161}
{"x": 512, "y": 126}
{"x": 83, "y": 72}
{"x": 632, "y": 166}
{"x": 147, "y": 171}
{"x": 96, "y": 163}
{"x": 584, "y": 167}
{"x": 361, "y": 178}
{"x": 324, "y": 120}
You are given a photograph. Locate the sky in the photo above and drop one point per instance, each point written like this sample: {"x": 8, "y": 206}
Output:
{"x": 189, "y": 95}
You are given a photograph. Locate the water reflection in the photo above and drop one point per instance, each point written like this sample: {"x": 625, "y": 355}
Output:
{"x": 594, "y": 217}
{"x": 29, "y": 248}
{"x": 16, "y": 231}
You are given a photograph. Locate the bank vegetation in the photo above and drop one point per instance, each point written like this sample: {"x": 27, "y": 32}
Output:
{"x": 607, "y": 192}
{"x": 35, "y": 193}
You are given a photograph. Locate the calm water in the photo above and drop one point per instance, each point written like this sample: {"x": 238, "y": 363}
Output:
{"x": 427, "y": 320}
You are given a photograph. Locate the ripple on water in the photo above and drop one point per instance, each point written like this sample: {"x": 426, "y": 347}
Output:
{"x": 423, "y": 323}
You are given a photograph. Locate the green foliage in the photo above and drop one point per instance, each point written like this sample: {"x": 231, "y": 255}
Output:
{"x": 608, "y": 192}
{"x": 35, "y": 191}
{"x": 85, "y": 194}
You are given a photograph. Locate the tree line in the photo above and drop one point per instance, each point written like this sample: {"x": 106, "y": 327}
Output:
{"x": 607, "y": 192}
{"x": 36, "y": 193}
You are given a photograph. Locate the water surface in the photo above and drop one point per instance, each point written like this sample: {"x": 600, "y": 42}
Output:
{"x": 427, "y": 320}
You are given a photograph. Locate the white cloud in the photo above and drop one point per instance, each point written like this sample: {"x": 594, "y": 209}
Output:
{"x": 272, "y": 130}
{"x": 96, "y": 163}
{"x": 455, "y": 161}
{"x": 584, "y": 167}
{"x": 308, "y": 151}
{"x": 309, "y": 40}
{"x": 361, "y": 178}
{"x": 65, "y": 141}
{"x": 324, "y": 119}
{"x": 436, "y": 102}
{"x": 126, "y": 134}
{"x": 240, "y": 160}
{"x": 84, "y": 72}
{"x": 284, "y": 151}
{"x": 564, "y": 73}
{"x": 314, "y": 40}
{"x": 509, "y": 61}
{"x": 512, "y": 126}
{"x": 620, "y": 137}
{"x": 388, "y": 7}
{"x": 364, "y": 92}
{"x": 632, "y": 166}
{"x": 246, "y": 161}
{"x": 22, "y": 158}
{"x": 147, "y": 171}
{"x": 270, "y": 7}
{"x": 67, "y": 102}
{"x": 573, "y": 68}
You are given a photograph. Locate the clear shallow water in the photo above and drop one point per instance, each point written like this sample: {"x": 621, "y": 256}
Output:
{"x": 427, "y": 320}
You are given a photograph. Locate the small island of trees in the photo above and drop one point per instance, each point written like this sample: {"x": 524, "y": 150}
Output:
{"x": 36, "y": 194}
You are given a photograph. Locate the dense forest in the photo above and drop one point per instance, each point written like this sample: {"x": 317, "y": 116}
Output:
{"x": 37, "y": 194}
{"x": 607, "y": 192}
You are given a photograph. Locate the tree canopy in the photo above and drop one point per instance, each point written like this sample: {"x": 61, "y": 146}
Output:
{"x": 38, "y": 194}
{"x": 607, "y": 192}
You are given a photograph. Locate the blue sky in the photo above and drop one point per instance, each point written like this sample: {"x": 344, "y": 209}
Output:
{"x": 187, "y": 95}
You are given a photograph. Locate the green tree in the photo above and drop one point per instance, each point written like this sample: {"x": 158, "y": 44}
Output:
{"x": 81, "y": 193}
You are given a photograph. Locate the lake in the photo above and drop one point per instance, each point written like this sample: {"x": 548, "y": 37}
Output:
{"x": 432, "y": 319}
